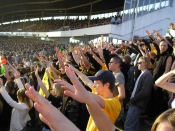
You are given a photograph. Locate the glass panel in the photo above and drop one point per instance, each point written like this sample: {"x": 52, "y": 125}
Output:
{"x": 132, "y": 13}
{"x": 157, "y": 4}
{"x": 132, "y": 9}
{"x": 126, "y": 11}
{"x": 146, "y": 7}
{"x": 140, "y": 8}
{"x": 168, "y": 2}
{"x": 151, "y": 6}
{"x": 129, "y": 1}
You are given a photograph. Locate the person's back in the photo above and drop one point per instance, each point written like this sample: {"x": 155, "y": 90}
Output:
{"x": 118, "y": 21}
{"x": 113, "y": 20}
{"x": 19, "y": 117}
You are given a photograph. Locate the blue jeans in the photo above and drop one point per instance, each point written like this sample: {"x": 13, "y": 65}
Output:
{"x": 132, "y": 119}
{"x": 44, "y": 129}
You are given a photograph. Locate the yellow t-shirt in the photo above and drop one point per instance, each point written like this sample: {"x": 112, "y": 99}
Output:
{"x": 112, "y": 110}
{"x": 104, "y": 67}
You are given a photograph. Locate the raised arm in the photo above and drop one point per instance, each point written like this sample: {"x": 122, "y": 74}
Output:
{"x": 172, "y": 26}
{"x": 48, "y": 113}
{"x": 59, "y": 59}
{"x": 18, "y": 80}
{"x": 152, "y": 37}
{"x": 46, "y": 92}
{"x": 85, "y": 60}
{"x": 162, "y": 81}
{"x": 168, "y": 64}
{"x": 8, "y": 99}
{"x": 140, "y": 48}
{"x": 6, "y": 72}
{"x": 83, "y": 77}
{"x": 76, "y": 58}
{"x": 17, "y": 77}
{"x": 95, "y": 57}
{"x": 56, "y": 72}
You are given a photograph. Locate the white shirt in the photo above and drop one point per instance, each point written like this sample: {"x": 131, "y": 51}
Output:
{"x": 20, "y": 116}
{"x": 20, "y": 111}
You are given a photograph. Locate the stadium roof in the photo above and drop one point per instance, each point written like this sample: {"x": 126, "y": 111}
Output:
{"x": 11, "y": 10}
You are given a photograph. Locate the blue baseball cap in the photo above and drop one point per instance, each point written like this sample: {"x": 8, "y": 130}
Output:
{"x": 105, "y": 76}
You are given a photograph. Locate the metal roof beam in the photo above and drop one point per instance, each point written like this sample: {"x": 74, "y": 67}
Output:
{"x": 31, "y": 3}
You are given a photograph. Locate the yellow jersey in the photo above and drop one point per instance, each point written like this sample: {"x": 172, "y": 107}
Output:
{"x": 112, "y": 110}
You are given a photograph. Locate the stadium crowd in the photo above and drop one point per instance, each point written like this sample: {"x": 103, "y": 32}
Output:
{"x": 109, "y": 79}
{"x": 52, "y": 25}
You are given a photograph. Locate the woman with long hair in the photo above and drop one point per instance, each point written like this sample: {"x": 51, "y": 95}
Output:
{"x": 19, "y": 117}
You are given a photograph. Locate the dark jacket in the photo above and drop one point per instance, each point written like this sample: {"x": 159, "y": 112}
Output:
{"x": 143, "y": 91}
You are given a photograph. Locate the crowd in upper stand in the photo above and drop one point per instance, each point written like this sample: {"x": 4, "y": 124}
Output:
{"x": 52, "y": 25}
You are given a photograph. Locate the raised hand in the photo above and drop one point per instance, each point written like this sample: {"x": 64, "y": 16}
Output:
{"x": 65, "y": 85}
{"x": 36, "y": 72}
{"x": 156, "y": 33}
{"x": 80, "y": 94}
{"x": 172, "y": 26}
{"x": 140, "y": 38}
{"x": 130, "y": 42}
{"x": 17, "y": 74}
{"x": 148, "y": 33}
{"x": 48, "y": 113}
{"x": 56, "y": 49}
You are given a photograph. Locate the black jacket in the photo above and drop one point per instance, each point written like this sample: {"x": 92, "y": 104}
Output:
{"x": 143, "y": 90}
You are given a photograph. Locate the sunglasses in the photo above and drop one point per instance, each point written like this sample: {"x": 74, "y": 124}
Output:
{"x": 139, "y": 63}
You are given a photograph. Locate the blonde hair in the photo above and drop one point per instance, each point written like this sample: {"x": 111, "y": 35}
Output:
{"x": 167, "y": 116}
{"x": 146, "y": 60}
{"x": 59, "y": 90}
{"x": 23, "y": 98}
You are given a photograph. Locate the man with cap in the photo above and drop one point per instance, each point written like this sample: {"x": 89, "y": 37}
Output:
{"x": 102, "y": 91}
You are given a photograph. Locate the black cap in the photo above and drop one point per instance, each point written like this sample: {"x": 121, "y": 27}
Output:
{"x": 104, "y": 75}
